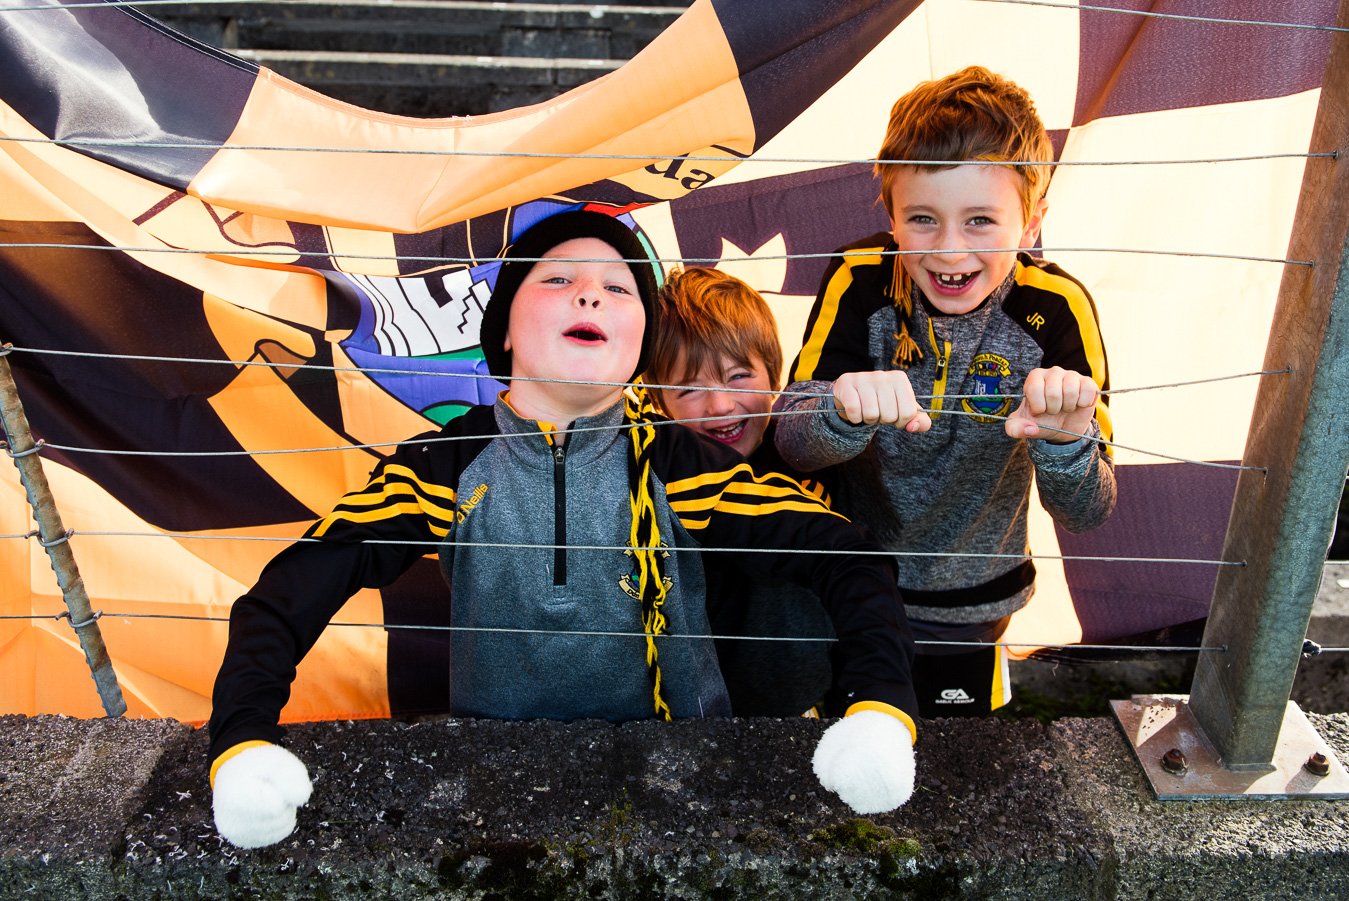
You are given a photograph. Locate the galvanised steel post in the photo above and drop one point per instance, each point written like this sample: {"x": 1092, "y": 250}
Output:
{"x": 1282, "y": 518}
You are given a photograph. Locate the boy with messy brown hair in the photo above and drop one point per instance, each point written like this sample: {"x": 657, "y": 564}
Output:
{"x": 716, "y": 367}
{"x": 1006, "y": 350}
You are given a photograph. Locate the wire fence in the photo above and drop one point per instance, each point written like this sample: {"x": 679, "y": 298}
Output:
{"x": 241, "y": 252}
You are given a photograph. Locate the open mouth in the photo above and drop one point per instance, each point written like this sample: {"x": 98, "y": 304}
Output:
{"x": 586, "y": 333}
{"x": 728, "y": 434}
{"x": 953, "y": 282}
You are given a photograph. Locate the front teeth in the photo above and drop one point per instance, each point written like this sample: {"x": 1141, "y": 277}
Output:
{"x": 952, "y": 280}
{"x": 728, "y": 433}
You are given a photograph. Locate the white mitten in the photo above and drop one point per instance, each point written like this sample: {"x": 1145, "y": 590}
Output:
{"x": 867, "y": 760}
{"x": 256, "y": 794}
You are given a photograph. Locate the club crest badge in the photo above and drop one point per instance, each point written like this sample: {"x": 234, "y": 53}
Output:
{"x": 633, "y": 579}
{"x": 987, "y": 372}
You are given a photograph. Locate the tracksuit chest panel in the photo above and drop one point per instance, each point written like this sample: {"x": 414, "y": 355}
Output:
{"x": 986, "y": 355}
{"x": 556, "y": 633}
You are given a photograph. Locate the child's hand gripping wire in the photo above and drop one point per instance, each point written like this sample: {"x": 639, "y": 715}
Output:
{"x": 883, "y": 396}
{"x": 1059, "y": 401}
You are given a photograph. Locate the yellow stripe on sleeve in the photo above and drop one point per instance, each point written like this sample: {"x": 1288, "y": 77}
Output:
{"x": 385, "y": 499}
{"x": 696, "y": 484}
{"x": 430, "y": 489}
{"x": 378, "y": 514}
{"x": 838, "y": 285}
{"x": 799, "y": 505}
{"x": 1071, "y": 291}
{"x": 1087, "y": 329}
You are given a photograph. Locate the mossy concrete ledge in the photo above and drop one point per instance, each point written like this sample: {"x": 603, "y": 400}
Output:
{"x": 1014, "y": 809}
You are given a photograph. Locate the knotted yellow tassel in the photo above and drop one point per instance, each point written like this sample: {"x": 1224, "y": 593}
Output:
{"x": 907, "y": 350}
{"x": 644, "y": 536}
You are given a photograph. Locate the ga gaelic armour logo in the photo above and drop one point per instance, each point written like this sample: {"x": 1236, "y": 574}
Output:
{"x": 988, "y": 371}
{"x": 954, "y": 696}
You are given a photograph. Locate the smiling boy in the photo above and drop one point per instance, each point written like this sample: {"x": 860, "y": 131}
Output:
{"x": 1005, "y": 348}
{"x": 574, "y": 549}
{"x": 717, "y": 366}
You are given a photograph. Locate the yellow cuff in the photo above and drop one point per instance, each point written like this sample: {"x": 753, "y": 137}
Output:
{"x": 234, "y": 752}
{"x": 882, "y": 707}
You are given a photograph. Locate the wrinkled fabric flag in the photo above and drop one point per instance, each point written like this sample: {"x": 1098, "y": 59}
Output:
{"x": 360, "y": 278}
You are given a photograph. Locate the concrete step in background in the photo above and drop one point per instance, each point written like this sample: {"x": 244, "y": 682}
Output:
{"x": 431, "y": 86}
{"x": 429, "y": 58}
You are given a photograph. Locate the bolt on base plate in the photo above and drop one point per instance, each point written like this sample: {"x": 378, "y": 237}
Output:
{"x": 1165, "y": 737}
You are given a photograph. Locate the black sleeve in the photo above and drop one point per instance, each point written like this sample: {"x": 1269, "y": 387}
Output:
{"x": 276, "y": 623}
{"x": 853, "y": 288}
{"x": 724, "y": 503}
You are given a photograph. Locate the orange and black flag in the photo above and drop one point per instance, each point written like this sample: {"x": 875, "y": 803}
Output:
{"x": 171, "y": 216}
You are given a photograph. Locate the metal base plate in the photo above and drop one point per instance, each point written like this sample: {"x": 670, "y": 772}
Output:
{"x": 1155, "y": 724}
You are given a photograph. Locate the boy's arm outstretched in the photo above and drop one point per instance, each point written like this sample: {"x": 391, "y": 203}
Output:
{"x": 257, "y": 785}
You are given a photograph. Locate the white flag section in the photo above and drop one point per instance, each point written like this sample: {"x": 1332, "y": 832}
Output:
{"x": 1175, "y": 310}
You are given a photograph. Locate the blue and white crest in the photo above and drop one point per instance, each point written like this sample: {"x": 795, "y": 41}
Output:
{"x": 987, "y": 372}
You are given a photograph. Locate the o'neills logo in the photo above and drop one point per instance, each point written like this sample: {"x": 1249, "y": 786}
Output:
{"x": 473, "y": 500}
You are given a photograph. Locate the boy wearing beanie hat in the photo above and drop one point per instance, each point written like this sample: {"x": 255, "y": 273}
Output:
{"x": 565, "y": 459}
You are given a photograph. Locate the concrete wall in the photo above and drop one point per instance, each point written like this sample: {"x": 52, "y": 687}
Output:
{"x": 1006, "y": 809}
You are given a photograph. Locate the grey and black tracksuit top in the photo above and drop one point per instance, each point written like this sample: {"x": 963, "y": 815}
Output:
{"x": 964, "y": 486}
{"x": 491, "y": 478}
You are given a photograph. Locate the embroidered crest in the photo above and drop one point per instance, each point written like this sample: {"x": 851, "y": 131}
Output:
{"x": 987, "y": 372}
{"x": 630, "y": 582}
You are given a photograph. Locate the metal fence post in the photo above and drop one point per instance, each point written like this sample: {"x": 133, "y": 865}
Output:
{"x": 1282, "y": 519}
{"x": 1238, "y": 735}
{"x": 54, "y": 538}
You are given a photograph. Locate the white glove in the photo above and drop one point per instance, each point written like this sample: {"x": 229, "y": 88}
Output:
{"x": 256, "y": 794}
{"x": 867, "y": 760}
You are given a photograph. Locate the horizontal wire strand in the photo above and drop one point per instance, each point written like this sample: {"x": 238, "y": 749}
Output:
{"x": 773, "y": 414}
{"x": 509, "y": 630}
{"x": 675, "y": 635}
{"x": 1209, "y": 20}
{"x": 478, "y": 261}
{"x": 116, "y": 4}
{"x": 510, "y": 545}
{"x": 643, "y": 158}
{"x": 583, "y": 382}
{"x": 440, "y": 439}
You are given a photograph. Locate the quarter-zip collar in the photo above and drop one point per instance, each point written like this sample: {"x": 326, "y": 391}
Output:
{"x": 593, "y": 435}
